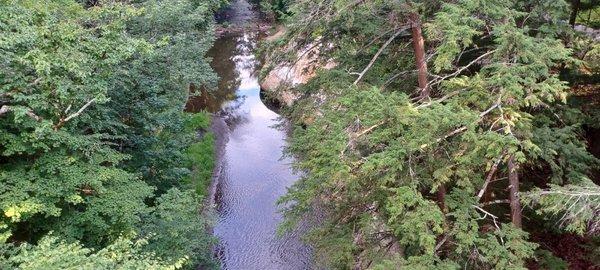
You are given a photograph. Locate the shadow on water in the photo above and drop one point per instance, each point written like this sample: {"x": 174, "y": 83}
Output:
{"x": 254, "y": 172}
{"x": 224, "y": 65}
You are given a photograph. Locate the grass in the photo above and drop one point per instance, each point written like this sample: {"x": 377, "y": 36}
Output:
{"x": 201, "y": 154}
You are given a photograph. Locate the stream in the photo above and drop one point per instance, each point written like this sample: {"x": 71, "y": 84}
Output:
{"x": 253, "y": 173}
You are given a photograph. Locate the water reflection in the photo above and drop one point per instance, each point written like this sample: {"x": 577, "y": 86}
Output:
{"x": 229, "y": 80}
{"x": 254, "y": 178}
{"x": 254, "y": 175}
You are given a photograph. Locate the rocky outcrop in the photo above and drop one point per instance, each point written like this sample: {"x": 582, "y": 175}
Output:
{"x": 592, "y": 33}
{"x": 283, "y": 77}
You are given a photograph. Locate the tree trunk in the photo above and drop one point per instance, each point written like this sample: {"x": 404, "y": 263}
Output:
{"x": 574, "y": 10}
{"x": 419, "y": 49}
{"x": 513, "y": 182}
{"x": 441, "y": 197}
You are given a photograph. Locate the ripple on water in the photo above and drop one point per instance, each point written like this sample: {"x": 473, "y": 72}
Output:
{"x": 254, "y": 175}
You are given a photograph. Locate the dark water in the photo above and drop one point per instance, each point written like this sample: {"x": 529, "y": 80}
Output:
{"x": 254, "y": 174}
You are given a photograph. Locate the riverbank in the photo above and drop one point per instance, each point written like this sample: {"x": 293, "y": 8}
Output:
{"x": 220, "y": 131}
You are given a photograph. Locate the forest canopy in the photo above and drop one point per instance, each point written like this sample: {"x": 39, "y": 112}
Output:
{"x": 96, "y": 170}
{"x": 456, "y": 134}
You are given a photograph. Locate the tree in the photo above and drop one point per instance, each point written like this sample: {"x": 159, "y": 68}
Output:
{"x": 374, "y": 152}
{"x": 56, "y": 64}
{"x": 52, "y": 253}
{"x": 95, "y": 143}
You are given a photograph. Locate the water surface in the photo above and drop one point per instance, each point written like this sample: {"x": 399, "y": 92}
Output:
{"x": 254, "y": 175}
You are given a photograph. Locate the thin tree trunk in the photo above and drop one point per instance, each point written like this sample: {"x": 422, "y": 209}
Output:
{"x": 419, "y": 49}
{"x": 574, "y": 10}
{"x": 441, "y": 200}
{"x": 513, "y": 181}
{"x": 441, "y": 197}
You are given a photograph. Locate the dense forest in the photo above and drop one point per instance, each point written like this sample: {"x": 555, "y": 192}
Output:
{"x": 459, "y": 134}
{"x": 101, "y": 168}
{"x": 448, "y": 134}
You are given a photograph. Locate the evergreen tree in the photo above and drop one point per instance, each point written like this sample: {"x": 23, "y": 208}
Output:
{"x": 432, "y": 175}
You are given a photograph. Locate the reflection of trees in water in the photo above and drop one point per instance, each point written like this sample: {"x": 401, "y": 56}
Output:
{"x": 224, "y": 65}
{"x": 232, "y": 115}
{"x": 231, "y": 56}
{"x": 270, "y": 102}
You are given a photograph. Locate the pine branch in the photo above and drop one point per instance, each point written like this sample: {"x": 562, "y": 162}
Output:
{"x": 381, "y": 49}
{"x": 439, "y": 100}
{"x": 494, "y": 202}
{"x": 490, "y": 175}
{"x": 357, "y": 135}
{"x": 463, "y": 128}
{"x": 440, "y": 79}
{"x": 391, "y": 79}
{"x": 578, "y": 206}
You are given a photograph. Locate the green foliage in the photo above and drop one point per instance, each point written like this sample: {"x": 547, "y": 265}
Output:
{"x": 548, "y": 261}
{"x": 589, "y": 13}
{"x": 152, "y": 89}
{"x": 176, "y": 230}
{"x": 414, "y": 220}
{"x": 506, "y": 248}
{"x": 198, "y": 121}
{"x": 93, "y": 133}
{"x": 200, "y": 156}
{"x": 53, "y": 253}
{"x": 374, "y": 153}
{"x": 573, "y": 207}
{"x": 277, "y": 8}
{"x": 55, "y": 174}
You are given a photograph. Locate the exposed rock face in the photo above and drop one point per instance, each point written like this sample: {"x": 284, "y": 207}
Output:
{"x": 284, "y": 77}
{"x": 592, "y": 33}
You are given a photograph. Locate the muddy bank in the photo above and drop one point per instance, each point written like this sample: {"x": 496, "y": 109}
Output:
{"x": 220, "y": 130}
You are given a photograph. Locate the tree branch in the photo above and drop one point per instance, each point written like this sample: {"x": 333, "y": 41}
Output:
{"x": 494, "y": 202}
{"x": 460, "y": 70}
{"x": 488, "y": 179}
{"x": 463, "y": 128}
{"x": 357, "y": 135}
{"x": 6, "y": 108}
{"x": 381, "y": 49}
{"x": 63, "y": 121}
